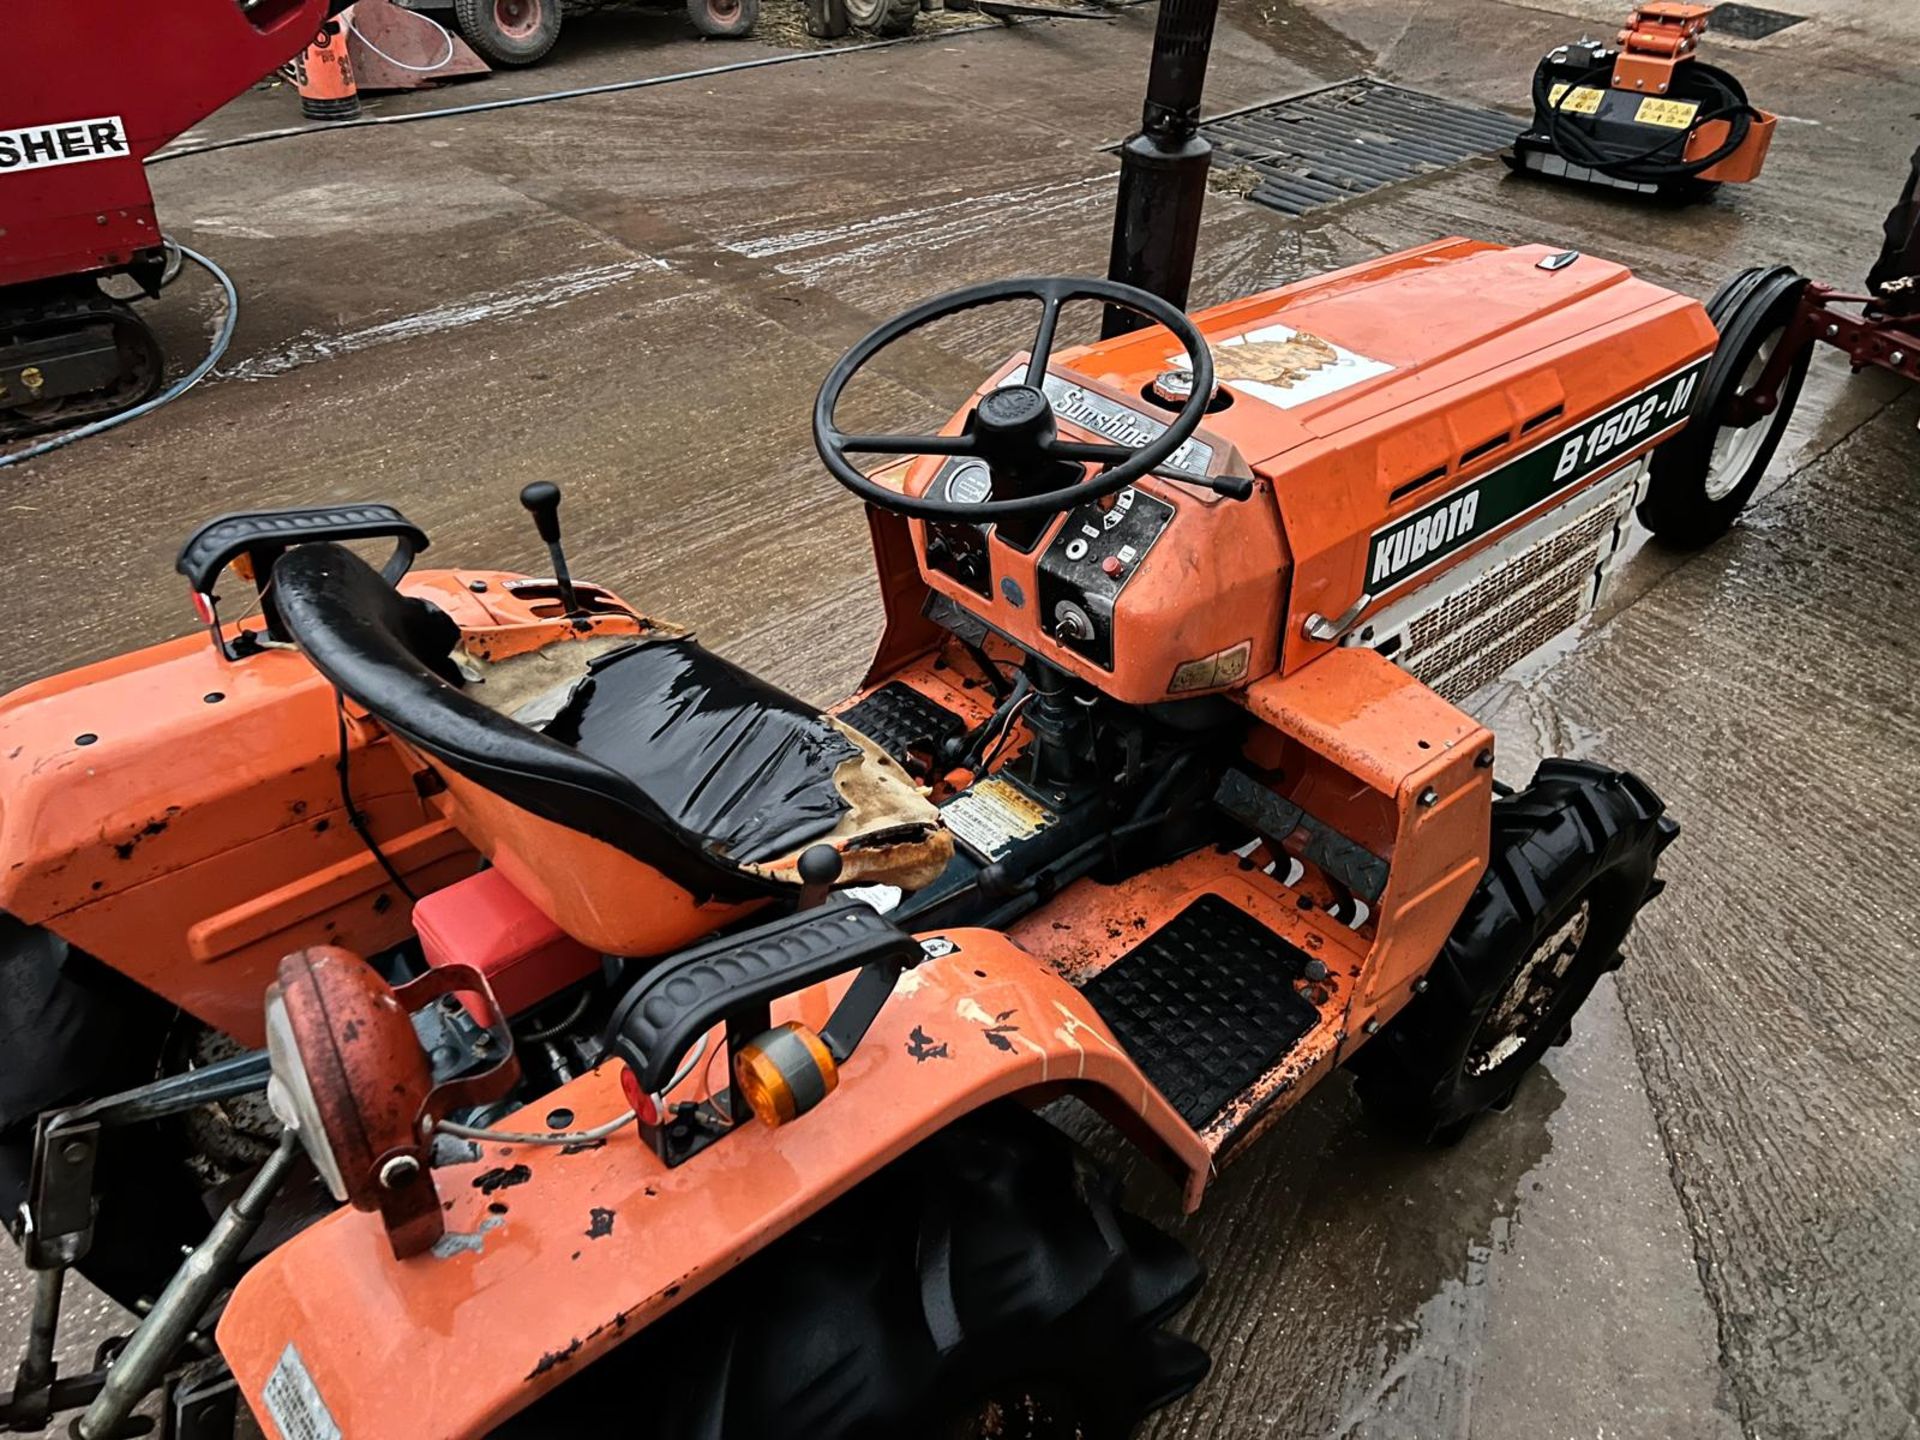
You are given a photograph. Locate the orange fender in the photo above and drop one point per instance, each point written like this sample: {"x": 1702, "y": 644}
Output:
{"x": 551, "y": 1258}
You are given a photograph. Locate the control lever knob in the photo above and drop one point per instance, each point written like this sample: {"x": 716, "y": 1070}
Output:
{"x": 542, "y": 501}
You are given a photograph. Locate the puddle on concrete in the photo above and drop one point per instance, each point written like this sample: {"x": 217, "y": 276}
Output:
{"x": 1297, "y": 33}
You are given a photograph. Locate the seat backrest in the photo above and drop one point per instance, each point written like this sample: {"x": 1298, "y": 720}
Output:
{"x": 391, "y": 653}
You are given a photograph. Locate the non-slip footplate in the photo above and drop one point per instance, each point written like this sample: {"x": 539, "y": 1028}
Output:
{"x": 1749, "y": 22}
{"x": 900, "y": 720}
{"x": 1333, "y": 144}
{"x": 1205, "y": 1005}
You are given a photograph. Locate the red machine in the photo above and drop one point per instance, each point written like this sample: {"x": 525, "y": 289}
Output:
{"x": 106, "y": 86}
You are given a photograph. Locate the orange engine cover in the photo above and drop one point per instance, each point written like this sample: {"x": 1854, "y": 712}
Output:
{"x": 1397, "y": 417}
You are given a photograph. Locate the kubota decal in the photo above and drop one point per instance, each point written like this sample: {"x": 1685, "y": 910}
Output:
{"x": 1417, "y": 542}
{"x": 40, "y": 146}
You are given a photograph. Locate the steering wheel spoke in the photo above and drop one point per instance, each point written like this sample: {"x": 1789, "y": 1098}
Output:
{"x": 1042, "y": 350}
{"x": 908, "y": 444}
{"x": 1094, "y": 454}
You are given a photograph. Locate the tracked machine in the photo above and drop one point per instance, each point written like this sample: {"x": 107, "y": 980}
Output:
{"x": 90, "y": 92}
{"x": 569, "y": 1028}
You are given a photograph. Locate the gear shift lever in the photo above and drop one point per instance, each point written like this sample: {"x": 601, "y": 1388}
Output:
{"x": 542, "y": 500}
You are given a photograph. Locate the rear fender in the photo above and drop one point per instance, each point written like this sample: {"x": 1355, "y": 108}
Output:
{"x": 553, "y": 1256}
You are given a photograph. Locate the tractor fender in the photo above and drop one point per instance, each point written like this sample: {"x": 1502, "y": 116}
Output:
{"x": 553, "y": 1255}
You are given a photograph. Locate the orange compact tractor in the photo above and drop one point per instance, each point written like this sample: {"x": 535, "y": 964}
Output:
{"x": 569, "y": 1028}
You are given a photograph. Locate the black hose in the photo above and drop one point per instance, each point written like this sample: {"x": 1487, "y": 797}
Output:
{"x": 1572, "y": 134}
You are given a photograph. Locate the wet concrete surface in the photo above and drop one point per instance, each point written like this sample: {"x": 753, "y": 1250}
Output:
{"x": 1699, "y": 1219}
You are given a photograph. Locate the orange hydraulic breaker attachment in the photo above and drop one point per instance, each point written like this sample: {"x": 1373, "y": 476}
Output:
{"x": 1647, "y": 115}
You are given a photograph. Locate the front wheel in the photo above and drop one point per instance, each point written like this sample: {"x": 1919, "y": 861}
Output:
{"x": 509, "y": 32}
{"x": 987, "y": 1284}
{"x": 1573, "y": 861}
{"x": 1701, "y": 479}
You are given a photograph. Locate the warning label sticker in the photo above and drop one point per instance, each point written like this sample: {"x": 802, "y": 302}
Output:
{"x": 993, "y": 816}
{"x": 294, "y": 1402}
{"x": 1586, "y": 100}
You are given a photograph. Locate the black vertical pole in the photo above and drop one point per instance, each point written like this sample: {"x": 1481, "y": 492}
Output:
{"x": 1163, "y": 169}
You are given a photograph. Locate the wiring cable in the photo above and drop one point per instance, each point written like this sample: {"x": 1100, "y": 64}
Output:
{"x": 222, "y": 338}
{"x": 570, "y": 1137}
{"x": 445, "y": 34}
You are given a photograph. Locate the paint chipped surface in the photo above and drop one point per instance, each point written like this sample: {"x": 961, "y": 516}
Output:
{"x": 466, "y": 1242}
{"x": 599, "y": 1223}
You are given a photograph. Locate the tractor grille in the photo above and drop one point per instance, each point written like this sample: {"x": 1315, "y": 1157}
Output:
{"x": 1464, "y": 632}
{"x": 1343, "y": 140}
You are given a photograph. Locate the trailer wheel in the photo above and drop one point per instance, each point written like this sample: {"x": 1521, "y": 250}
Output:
{"x": 883, "y": 17}
{"x": 1702, "y": 478}
{"x": 987, "y": 1284}
{"x": 1573, "y": 861}
{"x": 71, "y": 1030}
{"x": 724, "y": 19}
{"x": 509, "y": 32}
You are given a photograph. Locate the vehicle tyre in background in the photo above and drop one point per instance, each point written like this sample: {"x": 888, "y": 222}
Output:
{"x": 883, "y": 17}
{"x": 509, "y": 32}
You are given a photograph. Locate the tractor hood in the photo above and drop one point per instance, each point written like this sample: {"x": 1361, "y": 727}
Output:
{"x": 1368, "y": 397}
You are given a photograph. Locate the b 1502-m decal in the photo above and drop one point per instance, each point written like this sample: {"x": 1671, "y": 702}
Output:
{"x": 1415, "y": 543}
{"x": 40, "y": 146}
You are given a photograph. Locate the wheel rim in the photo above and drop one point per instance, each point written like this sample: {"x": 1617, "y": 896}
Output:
{"x": 1735, "y": 449}
{"x": 724, "y": 10}
{"x": 517, "y": 19}
{"x": 1522, "y": 1012}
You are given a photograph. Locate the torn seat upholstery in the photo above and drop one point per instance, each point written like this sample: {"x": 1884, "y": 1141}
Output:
{"x": 646, "y": 742}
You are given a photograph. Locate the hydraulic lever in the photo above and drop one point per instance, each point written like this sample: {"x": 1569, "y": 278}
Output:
{"x": 542, "y": 500}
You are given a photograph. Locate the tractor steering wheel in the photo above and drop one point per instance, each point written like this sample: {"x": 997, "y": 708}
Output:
{"x": 1012, "y": 428}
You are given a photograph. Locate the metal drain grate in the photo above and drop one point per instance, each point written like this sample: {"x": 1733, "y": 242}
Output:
{"x": 1344, "y": 140}
{"x": 1749, "y": 22}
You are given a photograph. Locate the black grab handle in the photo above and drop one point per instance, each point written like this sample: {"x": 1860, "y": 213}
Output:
{"x": 265, "y": 535}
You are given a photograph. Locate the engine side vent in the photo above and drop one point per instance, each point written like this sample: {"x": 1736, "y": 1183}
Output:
{"x": 1468, "y": 627}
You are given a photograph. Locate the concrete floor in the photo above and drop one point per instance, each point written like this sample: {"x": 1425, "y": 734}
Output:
{"x": 1700, "y": 1218}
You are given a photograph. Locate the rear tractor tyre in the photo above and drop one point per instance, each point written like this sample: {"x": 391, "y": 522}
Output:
{"x": 72, "y": 1030}
{"x": 984, "y": 1285}
{"x": 1701, "y": 479}
{"x": 883, "y": 17}
{"x": 724, "y": 19}
{"x": 1573, "y": 859}
{"x": 509, "y": 32}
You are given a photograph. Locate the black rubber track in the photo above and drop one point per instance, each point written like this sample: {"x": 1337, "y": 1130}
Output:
{"x": 1748, "y": 310}
{"x": 988, "y": 1272}
{"x": 1577, "y": 832}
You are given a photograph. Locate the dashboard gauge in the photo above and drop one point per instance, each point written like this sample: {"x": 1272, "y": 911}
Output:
{"x": 970, "y": 483}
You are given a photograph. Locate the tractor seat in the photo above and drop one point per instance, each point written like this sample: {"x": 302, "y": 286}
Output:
{"x": 648, "y": 743}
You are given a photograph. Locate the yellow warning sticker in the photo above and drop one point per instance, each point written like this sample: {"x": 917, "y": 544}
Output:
{"x": 1586, "y": 100}
{"x": 1673, "y": 114}
{"x": 993, "y": 815}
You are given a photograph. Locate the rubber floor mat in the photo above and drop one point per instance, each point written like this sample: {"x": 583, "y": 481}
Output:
{"x": 1348, "y": 139}
{"x": 1205, "y": 1005}
{"x": 899, "y": 719}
